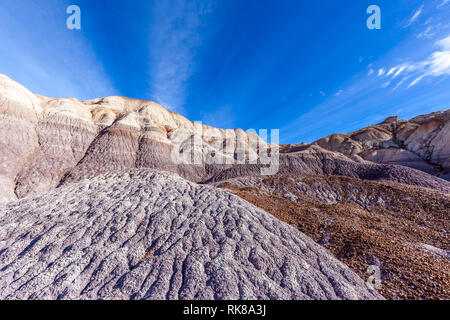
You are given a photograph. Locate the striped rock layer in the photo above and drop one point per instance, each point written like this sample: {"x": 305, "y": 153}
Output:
{"x": 46, "y": 143}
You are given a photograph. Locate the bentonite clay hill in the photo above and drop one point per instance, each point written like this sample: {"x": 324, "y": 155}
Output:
{"x": 49, "y": 142}
{"x": 150, "y": 235}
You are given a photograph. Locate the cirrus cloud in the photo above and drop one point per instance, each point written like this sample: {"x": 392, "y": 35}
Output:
{"x": 415, "y": 16}
{"x": 435, "y": 65}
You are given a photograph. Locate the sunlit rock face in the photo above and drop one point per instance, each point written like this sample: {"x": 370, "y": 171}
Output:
{"x": 422, "y": 143}
{"x": 19, "y": 142}
{"x": 45, "y": 141}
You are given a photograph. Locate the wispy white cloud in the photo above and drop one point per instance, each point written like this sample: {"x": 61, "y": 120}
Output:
{"x": 380, "y": 72}
{"x": 371, "y": 71}
{"x": 427, "y": 33}
{"x": 404, "y": 79}
{"x": 416, "y": 80}
{"x": 337, "y": 94}
{"x": 444, "y": 43}
{"x": 443, "y": 3}
{"x": 175, "y": 36}
{"x": 391, "y": 71}
{"x": 386, "y": 84}
{"x": 415, "y": 16}
{"x": 435, "y": 65}
{"x": 399, "y": 71}
{"x": 323, "y": 94}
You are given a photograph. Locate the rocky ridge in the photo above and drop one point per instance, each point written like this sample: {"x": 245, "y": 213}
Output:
{"x": 421, "y": 143}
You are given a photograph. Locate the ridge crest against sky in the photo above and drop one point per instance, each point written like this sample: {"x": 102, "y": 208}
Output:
{"x": 310, "y": 68}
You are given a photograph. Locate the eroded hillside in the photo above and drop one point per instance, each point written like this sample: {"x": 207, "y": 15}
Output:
{"x": 421, "y": 143}
{"x": 142, "y": 234}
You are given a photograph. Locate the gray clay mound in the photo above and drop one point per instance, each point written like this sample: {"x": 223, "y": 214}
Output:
{"x": 143, "y": 234}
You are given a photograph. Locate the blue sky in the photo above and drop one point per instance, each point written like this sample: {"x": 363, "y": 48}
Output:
{"x": 309, "y": 68}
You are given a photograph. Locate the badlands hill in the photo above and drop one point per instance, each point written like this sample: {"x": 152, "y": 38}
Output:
{"x": 117, "y": 198}
{"x": 150, "y": 235}
{"x": 48, "y": 142}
